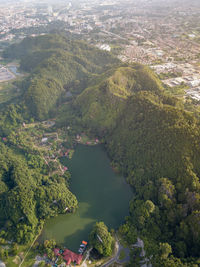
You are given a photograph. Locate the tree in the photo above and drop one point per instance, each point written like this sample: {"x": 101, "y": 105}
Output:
{"x": 60, "y": 260}
{"x": 101, "y": 239}
{"x": 164, "y": 249}
{"x": 14, "y": 249}
{"x": 135, "y": 257}
{"x": 50, "y": 243}
{"x": 3, "y": 253}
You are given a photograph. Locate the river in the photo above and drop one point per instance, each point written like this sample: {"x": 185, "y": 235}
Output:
{"x": 102, "y": 196}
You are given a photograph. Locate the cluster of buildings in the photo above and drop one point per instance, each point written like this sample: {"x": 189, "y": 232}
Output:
{"x": 105, "y": 47}
{"x": 5, "y": 74}
{"x": 185, "y": 74}
{"x": 194, "y": 93}
{"x": 162, "y": 34}
{"x": 15, "y": 16}
{"x": 69, "y": 256}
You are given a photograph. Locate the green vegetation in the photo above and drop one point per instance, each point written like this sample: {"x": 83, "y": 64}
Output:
{"x": 28, "y": 194}
{"x": 178, "y": 91}
{"x": 101, "y": 105}
{"x": 58, "y": 65}
{"x": 122, "y": 255}
{"x": 149, "y": 136}
{"x": 168, "y": 75}
{"x": 8, "y": 93}
{"x": 33, "y": 184}
{"x": 32, "y": 188}
{"x": 155, "y": 143}
{"x": 101, "y": 239}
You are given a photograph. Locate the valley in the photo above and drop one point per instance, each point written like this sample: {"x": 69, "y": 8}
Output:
{"x": 76, "y": 93}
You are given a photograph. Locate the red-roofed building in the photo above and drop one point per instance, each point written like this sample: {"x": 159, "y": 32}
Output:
{"x": 70, "y": 256}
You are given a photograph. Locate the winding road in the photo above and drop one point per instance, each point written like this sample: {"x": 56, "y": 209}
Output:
{"x": 119, "y": 248}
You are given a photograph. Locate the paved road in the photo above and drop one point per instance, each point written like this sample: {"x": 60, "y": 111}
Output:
{"x": 116, "y": 257}
{"x": 114, "y": 34}
{"x": 127, "y": 256}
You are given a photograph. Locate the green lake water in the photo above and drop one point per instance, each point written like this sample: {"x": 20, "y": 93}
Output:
{"x": 102, "y": 196}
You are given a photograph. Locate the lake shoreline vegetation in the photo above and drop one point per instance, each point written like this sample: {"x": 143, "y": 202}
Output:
{"x": 94, "y": 98}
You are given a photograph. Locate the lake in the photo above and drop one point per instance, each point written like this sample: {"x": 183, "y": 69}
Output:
{"x": 102, "y": 195}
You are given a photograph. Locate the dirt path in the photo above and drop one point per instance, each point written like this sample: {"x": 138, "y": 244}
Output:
{"x": 29, "y": 249}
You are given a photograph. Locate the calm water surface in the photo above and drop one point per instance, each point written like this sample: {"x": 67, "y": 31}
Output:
{"x": 102, "y": 196}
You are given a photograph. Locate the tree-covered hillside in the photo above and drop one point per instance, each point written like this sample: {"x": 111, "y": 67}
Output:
{"x": 33, "y": 185}
{"x": 58, "y": 65}
{"x": 150, "y": 138}
{"x": 102, "y": 104}
{"x": 157, "y": 147}
{"x": 155, "y": 143}
{"x": 27, "y": 194}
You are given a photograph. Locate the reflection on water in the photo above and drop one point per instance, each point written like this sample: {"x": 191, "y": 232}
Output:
{"x": 69, "y": 228}
{"x": 102, "y": 195}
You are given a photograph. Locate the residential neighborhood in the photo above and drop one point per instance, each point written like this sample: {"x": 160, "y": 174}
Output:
{"x": 166, "y": 39}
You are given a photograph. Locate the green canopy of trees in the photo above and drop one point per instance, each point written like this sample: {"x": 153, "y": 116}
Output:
{"x": 155, "y": 143}
{"x": 28, "y": 196}
{"x": 58, "y": 65}
{"x": 101, "y": 239}
{"x": 151, "y": 139}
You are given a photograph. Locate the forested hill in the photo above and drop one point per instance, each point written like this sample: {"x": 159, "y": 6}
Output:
{"x": 149, "y": 136}
{"x": 155, "y": 143}
{"x": 58, "y": 65}
{"x": 28, "y": 195}
{"x": 101, "y": 104}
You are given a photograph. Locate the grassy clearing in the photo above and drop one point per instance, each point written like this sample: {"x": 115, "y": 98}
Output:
{"x": 14, "y": 261}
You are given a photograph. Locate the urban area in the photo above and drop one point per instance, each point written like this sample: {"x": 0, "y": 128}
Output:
{"x": 167, "y": 39}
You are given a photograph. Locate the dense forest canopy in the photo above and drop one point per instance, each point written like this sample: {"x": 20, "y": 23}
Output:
{"x": 155, "y": 143}
{"x": 57, "y": 65}
{"x": 149, "y": 136}
{"x": 27, "y": 194}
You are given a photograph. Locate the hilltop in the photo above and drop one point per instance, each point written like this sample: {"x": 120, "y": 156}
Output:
{"x": 100, "y": 105}
{"x": 59, "y": 67}
{"x": 155, "y": 143}
{"x": 148, "y": 135}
